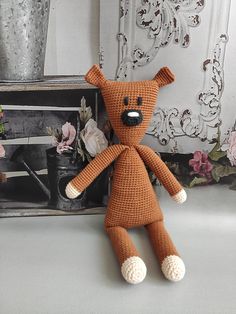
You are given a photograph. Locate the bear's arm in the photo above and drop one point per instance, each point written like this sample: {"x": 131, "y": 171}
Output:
{"x": 76, "y": 186}
{"x": 154, "y": 162}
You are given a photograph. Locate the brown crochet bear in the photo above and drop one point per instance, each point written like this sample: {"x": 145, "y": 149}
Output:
{"x": 133, "y": 202}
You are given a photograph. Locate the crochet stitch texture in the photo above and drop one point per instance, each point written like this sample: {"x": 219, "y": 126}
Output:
{"x": 133, "y": 202}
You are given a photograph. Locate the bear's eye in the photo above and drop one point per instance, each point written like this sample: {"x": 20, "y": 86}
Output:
{"x": 139, "y": 101}
{"x": 126, "y": 101}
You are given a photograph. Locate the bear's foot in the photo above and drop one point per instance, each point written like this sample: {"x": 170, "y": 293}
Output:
{"x": 173, "y": 268}
{"x": 134, "y": 270}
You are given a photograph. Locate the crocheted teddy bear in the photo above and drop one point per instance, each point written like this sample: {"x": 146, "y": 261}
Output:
{"x": 133, "y": 202}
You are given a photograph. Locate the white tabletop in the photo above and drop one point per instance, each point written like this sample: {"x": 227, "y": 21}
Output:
{"x": 66, "y": 264}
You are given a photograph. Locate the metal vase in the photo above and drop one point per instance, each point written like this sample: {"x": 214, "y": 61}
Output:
{"x": 61, "y": 170}
{"x": 23, "y": 36}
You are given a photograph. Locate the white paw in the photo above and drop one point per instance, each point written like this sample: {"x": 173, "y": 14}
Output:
{"x": 173, "y": 268}
{"x": 134, "y": 270}
{"x": 71, "y": 191}
{"x": 180, "y": 197}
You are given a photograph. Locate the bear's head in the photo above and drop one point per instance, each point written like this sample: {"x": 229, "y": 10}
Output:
{"x": 129, "y": 105}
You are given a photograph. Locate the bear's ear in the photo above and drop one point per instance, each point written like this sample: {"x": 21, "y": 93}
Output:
{"x": 164, "y": 77}
{"x": 95, "y": 76}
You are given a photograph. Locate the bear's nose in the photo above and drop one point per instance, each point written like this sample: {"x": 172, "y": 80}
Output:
{"x": 131, "y": 117}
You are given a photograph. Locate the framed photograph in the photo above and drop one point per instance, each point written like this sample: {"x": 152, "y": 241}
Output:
{"x": 46, "y": 139}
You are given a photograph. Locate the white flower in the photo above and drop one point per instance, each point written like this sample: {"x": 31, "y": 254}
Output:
{"x": 2, "y": 151}
{"x": 230, "y": 147}
{"x": 93, "y": 138}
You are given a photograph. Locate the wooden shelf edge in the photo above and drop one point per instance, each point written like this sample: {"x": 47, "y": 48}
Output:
{"x": 49, "y": 83}
{"x": 11, "y": 213}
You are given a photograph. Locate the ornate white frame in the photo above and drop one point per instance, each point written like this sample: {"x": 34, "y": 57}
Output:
{"x": 168, "y": 21}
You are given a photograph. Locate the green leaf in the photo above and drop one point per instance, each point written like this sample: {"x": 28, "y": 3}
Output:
{"x": 197, "y": 181}
{"x": 216, "y": 155}
{"x": 220, "y": 171}
{"x": 89, "y": 158}
{"x": 49, "y": 130}
{"x": 215, "y": 175}
{"x": 85, "y": 112}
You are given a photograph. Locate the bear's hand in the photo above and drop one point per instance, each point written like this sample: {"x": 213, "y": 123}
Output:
{"x": 71, "y": 191}
{"x": 180, "y": 197}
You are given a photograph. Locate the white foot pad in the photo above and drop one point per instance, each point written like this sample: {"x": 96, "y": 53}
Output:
{"x": 134, "y": 270}
{"x": 180, "y": 197}
{"x": 173, "y": 268}
{"x": 71, "y": 191}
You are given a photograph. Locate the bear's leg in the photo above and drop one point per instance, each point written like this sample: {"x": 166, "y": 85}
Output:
{"x": 172, "y": 265}
{"x": 133, "y": 268}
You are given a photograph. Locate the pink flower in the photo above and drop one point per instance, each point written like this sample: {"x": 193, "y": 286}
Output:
{"x": 201, "y": 164}
{"x": 2, "y": 151}
{"x": 69, "y": 133}
{"x": 68, "y": 137}
{"x": 62, "y": 147}
{"x": 230, "y": 147}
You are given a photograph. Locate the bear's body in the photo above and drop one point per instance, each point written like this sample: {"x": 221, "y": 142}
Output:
{"x": 133, "y": 202}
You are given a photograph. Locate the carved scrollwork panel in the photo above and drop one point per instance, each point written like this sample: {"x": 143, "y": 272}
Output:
{"x": 163, "y": 124}
{"x": 165, "y": 20}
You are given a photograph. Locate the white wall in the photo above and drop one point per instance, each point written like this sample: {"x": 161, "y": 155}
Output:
{"x": 73, "y": 36}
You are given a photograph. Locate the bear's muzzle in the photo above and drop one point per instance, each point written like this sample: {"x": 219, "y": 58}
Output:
{"x": 131, "y": 117}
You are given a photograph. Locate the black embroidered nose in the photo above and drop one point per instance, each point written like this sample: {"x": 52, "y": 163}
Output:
{"x": 131, "y": 117}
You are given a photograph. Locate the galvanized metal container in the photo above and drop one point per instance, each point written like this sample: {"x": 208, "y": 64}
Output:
{"x": 23, "y": 36}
